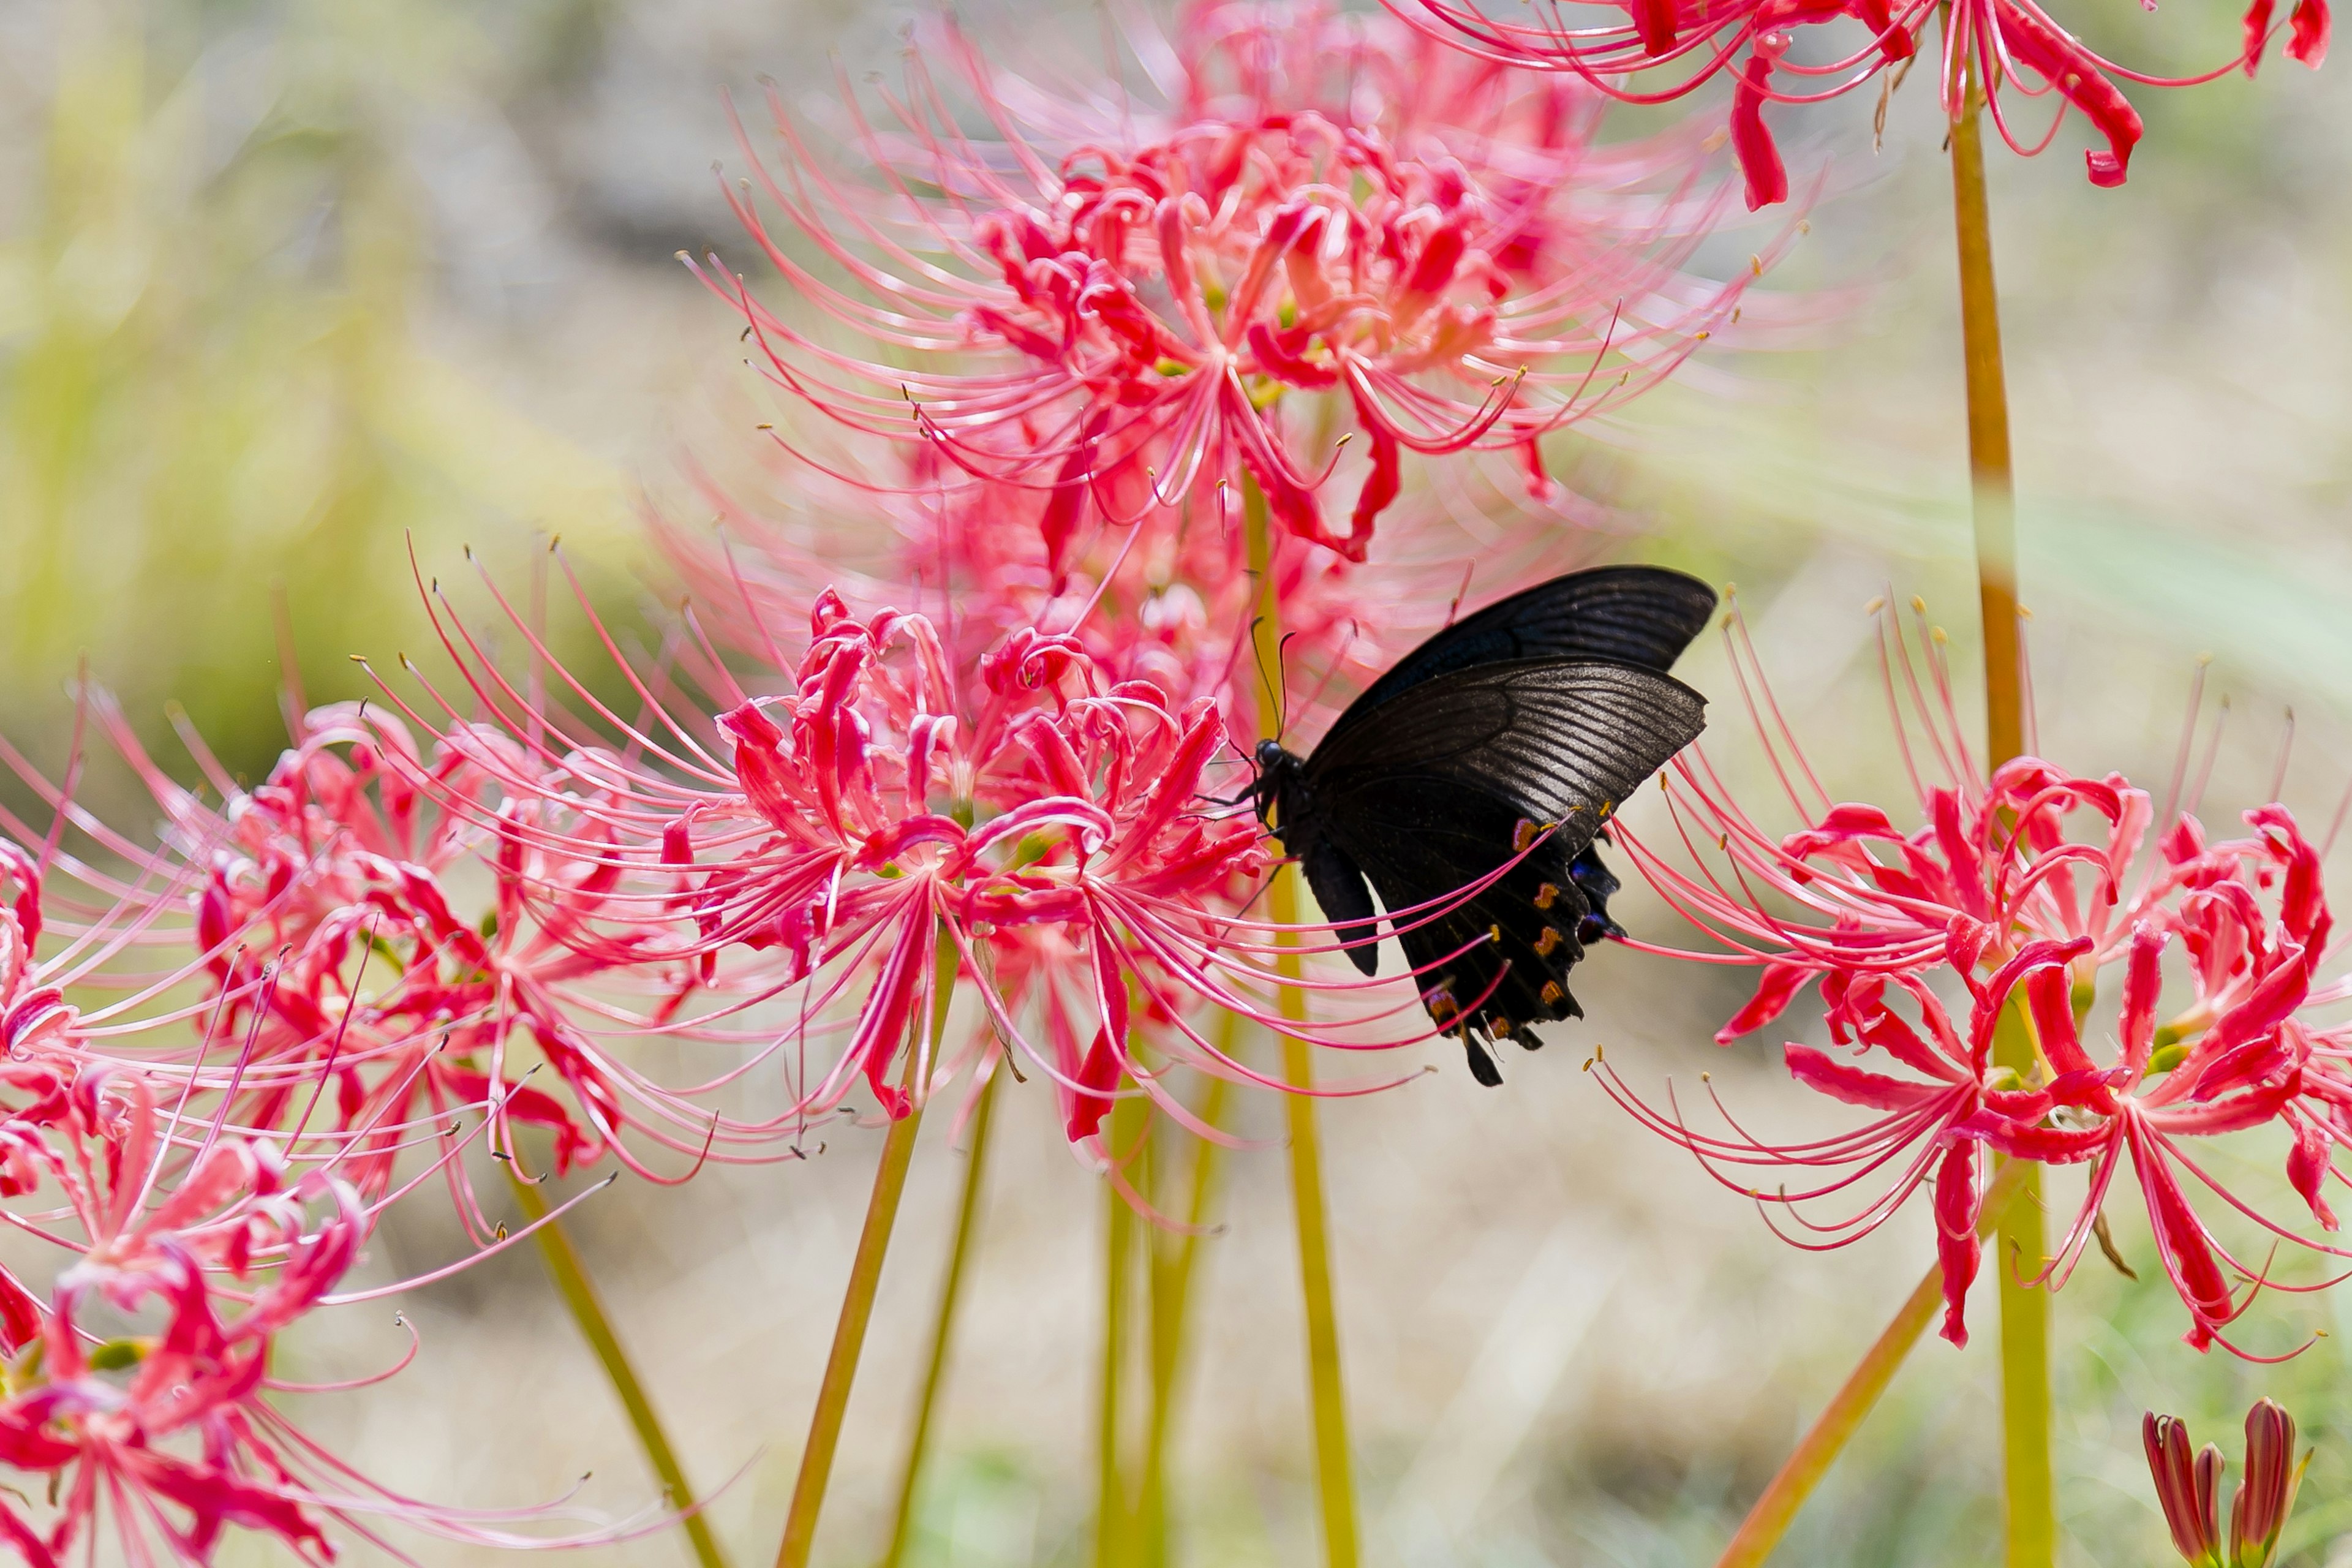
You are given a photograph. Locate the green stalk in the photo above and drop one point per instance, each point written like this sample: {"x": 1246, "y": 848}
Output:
{"x": 2029, "y": 1486}
{"x": 1774, "y": 1511}
{"x": 579, "y": 1293}
{"x": 1992, "y": 485}
{"x": 1114, "y": 1517}
{"x": 959, "y": 1254}
{"x": 864, "y": 1280}
{"x": 1172, "y": 1261}
{"x": 2030, "y": 1516}
{"x": 1333, "y": 1472}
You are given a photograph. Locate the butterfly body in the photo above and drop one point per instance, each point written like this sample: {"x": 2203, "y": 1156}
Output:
{"x": 1489, "y": 759}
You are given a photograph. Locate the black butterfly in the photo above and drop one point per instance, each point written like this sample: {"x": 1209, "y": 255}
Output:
{"x": 1543, "y": 712}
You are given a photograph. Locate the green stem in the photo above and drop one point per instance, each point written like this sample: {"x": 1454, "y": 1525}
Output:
{"x": 1774, "y": 1511}
{"x": 579, "y": 1293}
{"x": 864, "y": 1280}
{"x": 1171, "y": 1298}
{"x": 1992, "y": 485}
{"x": 1114, "y": 1517}
{"x": 959, "y": 1254}
{"x": 1333, "y": 1472}
{"x": 2030, "y": 1515}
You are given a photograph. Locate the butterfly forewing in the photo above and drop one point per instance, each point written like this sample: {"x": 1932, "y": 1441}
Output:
{"x": 1630, "y": 614}
{"x": 1559, "y": 737}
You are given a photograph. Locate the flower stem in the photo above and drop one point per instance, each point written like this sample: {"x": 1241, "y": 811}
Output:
{"x": 1334, "y": 1473}
{"x": 2030, "y": 1518}
{"x": 1774, "y": 1511}
{"x": 2030, "y": 1515}
{"x": 1992, "y": 486}
{"x": 959, "y": 1254}
{"x": 1172, "y": 1261}
{"x": 858, "y": 1301}
{"x": 1114, "y": 1517}
{"x": 579, "y": 1293}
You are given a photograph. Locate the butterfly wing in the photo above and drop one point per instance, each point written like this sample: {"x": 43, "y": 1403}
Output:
{"x": 1641, "y": 615}
{"x": 1448, "y": 782}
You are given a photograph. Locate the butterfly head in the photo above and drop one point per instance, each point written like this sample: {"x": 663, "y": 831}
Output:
{"x": 1274, "y": 790}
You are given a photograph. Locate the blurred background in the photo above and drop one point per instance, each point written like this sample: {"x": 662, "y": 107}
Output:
{"x": 290, "y": 289}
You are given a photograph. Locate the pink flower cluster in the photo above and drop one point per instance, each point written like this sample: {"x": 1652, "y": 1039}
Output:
{"x": 1996, "y": 50}
{"x": 431, "y": 946}
{"x": 889, "y": 820}
{"x": 209, "y": 1148}
{"x": 2017, "y": 902}
{"x": 1332, "y": 226}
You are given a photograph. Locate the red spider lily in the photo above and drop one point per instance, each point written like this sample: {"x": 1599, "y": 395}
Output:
{"x": 159, "y": 1441}
{"x": 1928, "y": 1131}
{"x": 1170, "y": 608}
{"x": 2190, "y": 1490}
{"x": 1114, "y": 320}
{"x": 2001, "y": 858}
{"x": 813, "y": 856}
{"x": 327, "y": 919}
{"x": 163, "y": 1441}
{"x": 2021, "y": 49}
{"x": 1994, "y": 892}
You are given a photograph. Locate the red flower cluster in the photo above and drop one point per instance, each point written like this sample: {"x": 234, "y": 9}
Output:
{"x": 443, "y": 930}
{"x": 2026, "y": 891}
{"x": 2017, "y": 46}
{"x": 1027, "y": 826}
{"x": 1112, "y": 315}
{"x": 216, "y": 1189}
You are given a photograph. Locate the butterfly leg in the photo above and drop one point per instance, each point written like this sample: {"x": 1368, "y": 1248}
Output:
{"x": 1481, "y": 1061}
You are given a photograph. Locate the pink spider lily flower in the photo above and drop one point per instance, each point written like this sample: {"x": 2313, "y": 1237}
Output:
{"x": 1930, "y": 1122}
{"x": 2241, "y": 1073}
{"x": 2039, "y": 879}
{"x": 376, "y": 1022}
{"x": 2032, "y": 853}
{"x": 1174, "y": 609}
{"x": 813, "y": 854}
{"x": 161, "y": 1442}
{"x": 1665, "y": 49}
{"x": 116, "y": 1448}
{"x": 1087, "y": 843}
{"x": 366, "y": 981}
{"x": 119, "y": 1152}
{"x": 1118, "y": 322}
{"x": 2236, "y": 1058}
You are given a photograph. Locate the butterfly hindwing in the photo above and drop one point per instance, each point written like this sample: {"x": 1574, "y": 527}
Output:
{"x": 1452, "y": 778}
{"x": 1496, "y": 960}
{"x": 1630, "y": 614}
{"x": 1338, "y": 884}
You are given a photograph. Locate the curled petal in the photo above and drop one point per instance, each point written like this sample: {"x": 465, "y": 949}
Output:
{"x": 1956, "y": 1247}
{"x": 1774, "y": 991}
{"x": 1760, "y": 159}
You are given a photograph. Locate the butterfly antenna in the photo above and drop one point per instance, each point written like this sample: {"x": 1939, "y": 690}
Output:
{"x": 1282, "y": 686}
{"x": 1270, "y": 681}
{"x": 1339, "y": 660}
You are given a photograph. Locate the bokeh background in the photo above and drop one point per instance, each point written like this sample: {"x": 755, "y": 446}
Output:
{"x": 290, "y": 290}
